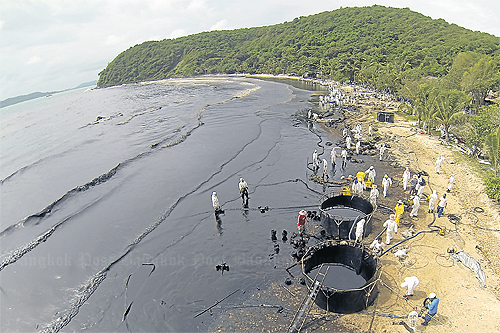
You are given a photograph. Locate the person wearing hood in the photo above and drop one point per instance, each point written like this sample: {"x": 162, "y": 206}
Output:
{"x": 386, "y": 182}
{"x": 374, "y": 193}
{"x": 432, "y": 201}
{"x": 344, "y": 158}
{"x": 441, "y": 205}
{"x": 406, "y": 178}
{"x": 371, "y": 174}
{"x": 358, "y": 144}
{"x": 450, "y": 182}
{"x": 215, "y": 204}
{"x": 437, "y": 166}
{"x": 332, "y": 158}
{"x": 243, "y": 186}
{"x": 416, "y": 206}
{"x": 391, "y": 227}
{"x": 301, "y": 220}
{"x": 382, "y": 151}
{"x": 432, "y": 306}
{"x": 358, "y": 187}
{"x": 348, "y": 141}
{"x": 359, "y": 230}
{"x": 411, "y": 282}
{"x": 315, "y": 160}
{"x": 399, "y": 209}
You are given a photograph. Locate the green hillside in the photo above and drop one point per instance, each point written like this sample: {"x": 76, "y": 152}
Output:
{"x": 346, "y": 44}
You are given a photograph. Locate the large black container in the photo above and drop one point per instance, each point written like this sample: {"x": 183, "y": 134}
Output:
{"x": 385, "y": 117}
{"x": 362, "y": 265}
{"x": 339, "y": 213}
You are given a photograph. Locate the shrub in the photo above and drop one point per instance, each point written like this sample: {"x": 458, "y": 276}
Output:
{"x": 493, "y": 187}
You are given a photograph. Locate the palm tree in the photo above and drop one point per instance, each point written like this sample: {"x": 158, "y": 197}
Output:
{"x": 493, "y": 144}
{"x": 450, "y": 109}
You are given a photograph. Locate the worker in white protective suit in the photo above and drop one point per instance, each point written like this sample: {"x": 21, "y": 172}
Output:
{"x": 344, "y": 158}
{"x": 348, "y": 141}
{"x": 416, "y": 206}
{"x": 358, "y": 144}
{"x": 382, "y": 151}
{"x": 370, "y": 129}
{"x": 243, "y": 186}
{"x": 359, "y": 230}
{"x": 315, "y": 160}
{"x": 377, "y": 246}
{"x": 432, "y": 201}
{"x": 437, "y": 166}
{"x": 386, "y": 182}
{"x": 392, "y": 228}
{"x": 332, "y": 157}
{"x": 371, "y": 174}
{"x": 325, "y": 167}
{"x": 215, "y": 204}
{"x": 358, "y": 187}
{"x": 374, "y": 193}
{"x": 411, "y": 282}
{"x": 451, "y": 181}
{"x": 406, "y": 178}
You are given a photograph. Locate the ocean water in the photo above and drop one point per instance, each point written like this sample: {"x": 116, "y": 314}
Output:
{"x": 106, "y": 220}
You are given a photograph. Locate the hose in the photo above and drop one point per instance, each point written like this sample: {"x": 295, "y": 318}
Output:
{"x": 404, "y": 240}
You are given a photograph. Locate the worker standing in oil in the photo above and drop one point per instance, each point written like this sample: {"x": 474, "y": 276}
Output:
{"x": 215, "y": 204}
{"x": 315, "y": 160}
{"x": 243, "y": 186}
{"x": 386, "y": 182}
{"x": 301, "y": 220}
{"x": 432, "y": 306}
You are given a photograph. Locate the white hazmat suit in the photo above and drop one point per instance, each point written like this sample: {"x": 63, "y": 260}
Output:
{"x": 392, "y": 228}
{"x": 432, "y": 201}
{"x": 386, "y": 182}
{"x": 215, "y": 201}
{"x": 374, "y": 193}
{"x": 406, "y": 178}
{"x": 411, "y": 282}
{"x": 359, "y": 229}
{"x": 416, "y": 206}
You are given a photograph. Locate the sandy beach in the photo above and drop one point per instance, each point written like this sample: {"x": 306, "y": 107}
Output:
{"x": 464, "y": 305}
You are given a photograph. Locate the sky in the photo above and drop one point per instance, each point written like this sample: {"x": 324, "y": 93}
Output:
{"x": 50, "y": 45}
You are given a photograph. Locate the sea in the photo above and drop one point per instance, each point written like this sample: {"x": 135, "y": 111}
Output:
{"x": 106, "y": 217}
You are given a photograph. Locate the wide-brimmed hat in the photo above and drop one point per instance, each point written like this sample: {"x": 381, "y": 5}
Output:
{"x": 302, "y": 212}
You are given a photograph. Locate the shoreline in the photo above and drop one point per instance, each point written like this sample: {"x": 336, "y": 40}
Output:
{"x": 464, "y": 305}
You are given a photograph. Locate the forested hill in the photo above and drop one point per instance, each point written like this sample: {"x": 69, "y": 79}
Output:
{"x": 360, "y": 44}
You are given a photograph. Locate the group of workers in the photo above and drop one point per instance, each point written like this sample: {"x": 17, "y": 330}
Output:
{"x": 243, "y": 187}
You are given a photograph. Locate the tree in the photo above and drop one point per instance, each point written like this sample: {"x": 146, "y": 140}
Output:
{"x": 480, "y": 78}
{"x": 450, "y": 109}
{"x": 493, "y": 145}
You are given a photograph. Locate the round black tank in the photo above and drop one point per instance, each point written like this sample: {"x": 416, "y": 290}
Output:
{"x": 347, "y": 276}
{"x": 339, "y": 213}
